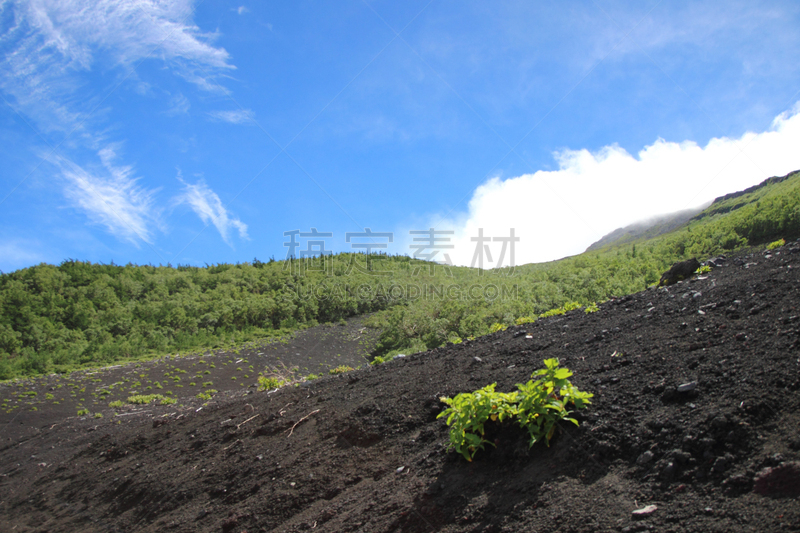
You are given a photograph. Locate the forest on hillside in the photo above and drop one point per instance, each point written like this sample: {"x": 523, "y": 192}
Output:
{"x": 59, "y": 317}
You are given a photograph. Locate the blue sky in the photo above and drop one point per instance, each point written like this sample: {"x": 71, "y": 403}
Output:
{"x": 189, "y": 132}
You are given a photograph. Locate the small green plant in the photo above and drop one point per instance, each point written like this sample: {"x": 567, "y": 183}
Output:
{"x": 591, "y": 308}
{"x": 82, "y": 412}
{"x": 98, "y": 415}
{"x": 525, "y": 320}
{"x": 467, "y": 413}
{"x": 552, "y": 312}
{"x": 206, "y": 395}
{"x": 168, "y": 401}
{"x": 776, "y": 244}
{"x": 269, "y": 383}
{"x": 48, "y": 396}
{"x": 341, "y": 369}
{"x": 544, "y": 402}
{"x": 536, "y": 405}
{"x": 116, "y": 404}
{"x": 144, "y": 399}
{"x": 497, "y": 327}
{"x": 705, "y": 269}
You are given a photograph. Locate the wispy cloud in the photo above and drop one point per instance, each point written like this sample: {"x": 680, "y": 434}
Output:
{"x": 559, "y": 213}
{"x": 242, "y": 10}
{"x": 239, "y": 116}
{"x": 178, "y": 105}
{"x": 111, "y": 198}
{"x": 207, "y": 205}
{"x": 51, "y": 42}
{"x": 47, "y": 50}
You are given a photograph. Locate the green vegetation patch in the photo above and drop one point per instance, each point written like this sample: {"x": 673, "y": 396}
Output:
{"x": 536, "y": 406}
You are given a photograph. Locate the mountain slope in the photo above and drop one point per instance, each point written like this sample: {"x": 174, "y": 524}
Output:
{"x": 363, "y": 451}
{"x": 646, "y": 229}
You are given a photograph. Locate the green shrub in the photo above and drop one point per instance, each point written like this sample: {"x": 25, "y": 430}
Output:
{"x": 776, "y": 244}
{"x": 341, "y": 369}
{"x": 536, "y": 405}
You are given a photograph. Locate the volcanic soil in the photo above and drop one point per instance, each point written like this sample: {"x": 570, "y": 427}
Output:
{"x": 694, "y": 427}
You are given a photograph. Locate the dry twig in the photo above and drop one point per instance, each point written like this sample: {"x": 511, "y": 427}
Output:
{"x": 246, "y": 421}
{"x": 291, "y": 429}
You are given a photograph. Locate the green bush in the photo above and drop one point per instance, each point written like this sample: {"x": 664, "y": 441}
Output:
{"x": 536, "y": 405}
{"x": 776, "y": 244}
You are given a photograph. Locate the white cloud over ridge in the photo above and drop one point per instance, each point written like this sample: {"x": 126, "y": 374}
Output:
{"x": 207, "y": 205}
{"x": 560, "y": 213}
{"x": 112, "y": 198}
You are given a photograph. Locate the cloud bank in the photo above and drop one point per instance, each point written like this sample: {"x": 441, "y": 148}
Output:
{"x": 560, "y": 213}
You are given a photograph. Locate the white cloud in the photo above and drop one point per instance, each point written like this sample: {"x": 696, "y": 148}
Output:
{"x": 111, "y": 198}
{"x": 207, "y": 205}
{"x": 239, "y": 116}
{"x": 559, "y": 213}
{"x": 242, "y": 10}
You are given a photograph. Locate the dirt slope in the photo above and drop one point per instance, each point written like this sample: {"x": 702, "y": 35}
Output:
{"x": 363, "y": 451}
